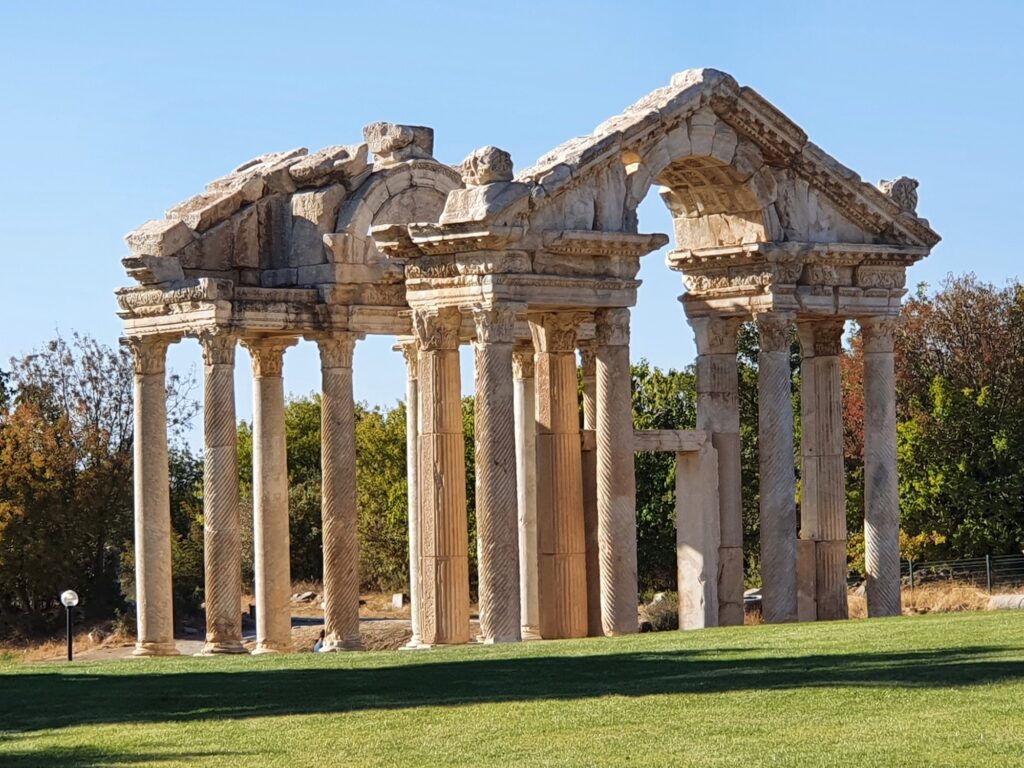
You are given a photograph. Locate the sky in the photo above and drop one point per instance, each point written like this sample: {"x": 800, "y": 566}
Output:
{"x": 112, "y": 112}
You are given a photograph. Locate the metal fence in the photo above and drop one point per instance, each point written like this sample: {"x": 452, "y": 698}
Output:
{"x": 991, "y": 571}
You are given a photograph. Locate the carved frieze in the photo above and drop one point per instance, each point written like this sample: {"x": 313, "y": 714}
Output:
{"x": 875, "y": 276}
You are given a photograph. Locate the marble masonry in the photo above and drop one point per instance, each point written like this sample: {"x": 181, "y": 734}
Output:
{"x": 532, "y": 268}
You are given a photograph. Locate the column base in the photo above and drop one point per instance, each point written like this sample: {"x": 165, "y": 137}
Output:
{"x": 415, "y": 644}
{"x": 155, "y": 649}
{"x": 262, "y": 648}
{"x": 531, "y": 633}
{"x": 338, "y": 647}
{"x": 223, "y": 648}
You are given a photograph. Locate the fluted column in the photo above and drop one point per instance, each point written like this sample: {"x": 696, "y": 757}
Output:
{"x": 718, "y": 412}
{"x": 823, "y": 481}
{"x": 777, "y": 469}
{"x": 412, "y": 438}
{"x": 222, "y": 532}
{"x": 497, "y": 517}
{"x": 588, "y": 371}
{"x": 270, "y": 496}
{"x": 697, "y": 536}
{"x": 561, "y": 540}
{"x": 339, "y": 516}
{"x": 881, "y": 484}
{"x": 616, "y": 483}
{"x": 153, "y": 593}
{"x": 444, "y": 557}
{"x": 526, "y": 486}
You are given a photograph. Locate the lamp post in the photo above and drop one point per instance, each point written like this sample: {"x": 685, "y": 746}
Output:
{"x": 69, "y": 598}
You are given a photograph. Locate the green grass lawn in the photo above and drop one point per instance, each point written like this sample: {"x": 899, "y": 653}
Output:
{"x": 933, "y": 690}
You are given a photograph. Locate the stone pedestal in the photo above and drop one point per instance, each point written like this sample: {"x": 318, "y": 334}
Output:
{"x": 881, "y": 487}
{"x": 340, "y": 518}
{"x": 526, "y": 487}
{"x": 718, "y": 412}
{"x": 777, "y": 470}
{"x": 270, "y": 496}
{"x": 153, "y": 594}
{"x": 444, "y": 557}
{"x": 697, "y": 537}
{"x": 412, "y": 437}
{"x": 823, "y": 479}
{"x": 562, "y": 562}
{"x": 616, "y": 483}
{"x": 588, "y": 468}
{"x": 497, "y": 515}
{"x": 222, "y": 545}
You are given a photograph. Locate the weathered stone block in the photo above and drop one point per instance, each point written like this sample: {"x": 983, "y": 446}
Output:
{"x": 159, "y": 237}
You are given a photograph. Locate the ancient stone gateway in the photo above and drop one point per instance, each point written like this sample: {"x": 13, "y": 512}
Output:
{"x": 531, "y": 268}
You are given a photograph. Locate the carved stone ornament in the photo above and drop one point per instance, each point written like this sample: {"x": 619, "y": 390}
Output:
{"x": 495, "y": 325}
{"x": 149, "y": 354}
{"x": 775, "y": 329}
{"x": 902, "y": 191}
{"x": 411, "y": 351}
{"x": 486, "y": 166}
{"x": 437, "y": 329}
{"x": 716, "y": 335}
{"x": 523, "y": 360}
{"x": 879, "y": 333}
{"x": 588, "y": 358}
{"x": 821, "y": 338}
{"x": 874, "y": 276}
{"x": 336, "y": 350}
{"x": 392, "y": 143}
{"x": 556, "y": 331}
{"x": 612, "y": 326}
{"x": 218, "y": 347}
{"x": 267, "y": 355}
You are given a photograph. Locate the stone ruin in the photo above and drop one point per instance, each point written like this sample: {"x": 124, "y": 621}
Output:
{"x": 531, "y": 268}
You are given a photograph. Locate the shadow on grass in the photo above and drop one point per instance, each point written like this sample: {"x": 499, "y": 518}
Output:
{"x": 33, "y": 701}
{"x": 93, "y": 757}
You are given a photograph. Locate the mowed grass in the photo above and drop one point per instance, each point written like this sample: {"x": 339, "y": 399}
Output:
{"x": 932, "y": 690}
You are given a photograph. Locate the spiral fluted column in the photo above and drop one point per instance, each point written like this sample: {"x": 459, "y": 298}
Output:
{"x": 526, "y": 487}
{"x": 339, "y": 516}
{"x": 222, "y": 531}
{"x": 270, "y": 496}
{"x": 823, "y": 479}
{"x": 562, "y": 555}
{"x": 588, "y": 459}
{"x": 444, "y": 556}
{"x": 496, "y": 491}
{"x": 777, "y": 468}
{"x": 616, "y": 483}
{"x": 718, "y": 412}
{"x": 153, "y": 592}
{"x": 881, "y": 484}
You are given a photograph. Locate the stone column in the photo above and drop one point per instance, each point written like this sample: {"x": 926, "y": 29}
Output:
{"x": 718, "y": 412}
{"x": 616, "y": 482}
{"x": 412, "y": 437}
{"x": 526, "y": 487}
{"x": 697, "y": 537}
{"x": 270, "y": 496}
{"x": 153, "y": 594}
{"x": 340, "y": 519}
{"x": 444, "y": 556}
{"x": 777, "y": 469}
{"x": 562, "y": 555}
{"x": 881, "y": 485}
{"x": 497, "y": 514}
{"x": 588, "y": 459}
{"x": 222, "y": 533}
{"x": 823, "y": 480}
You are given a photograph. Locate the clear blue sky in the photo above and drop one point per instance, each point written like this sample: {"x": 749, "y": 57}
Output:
{"x": 114, "y": 111}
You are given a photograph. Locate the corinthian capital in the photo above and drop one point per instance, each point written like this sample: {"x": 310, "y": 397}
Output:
{"x": 438, "y": 328}
{"x": 495, "y": 325}
{"x": 612, "y": 327}
{"x": 776, "y": 330}
{"x": 879, "y": 333}
{"x": 821, "y": 338}
{"x": 149, "y": 353}
{"x": 522, "y": 360}
{"x": 556, "y": 331}
{"x": 411, "y": 352}
{"x": 218, "y": 347}
{"x": 337, "y": 349}
{"x": 715, "y": 335}
{"x": 267, "y": 355}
